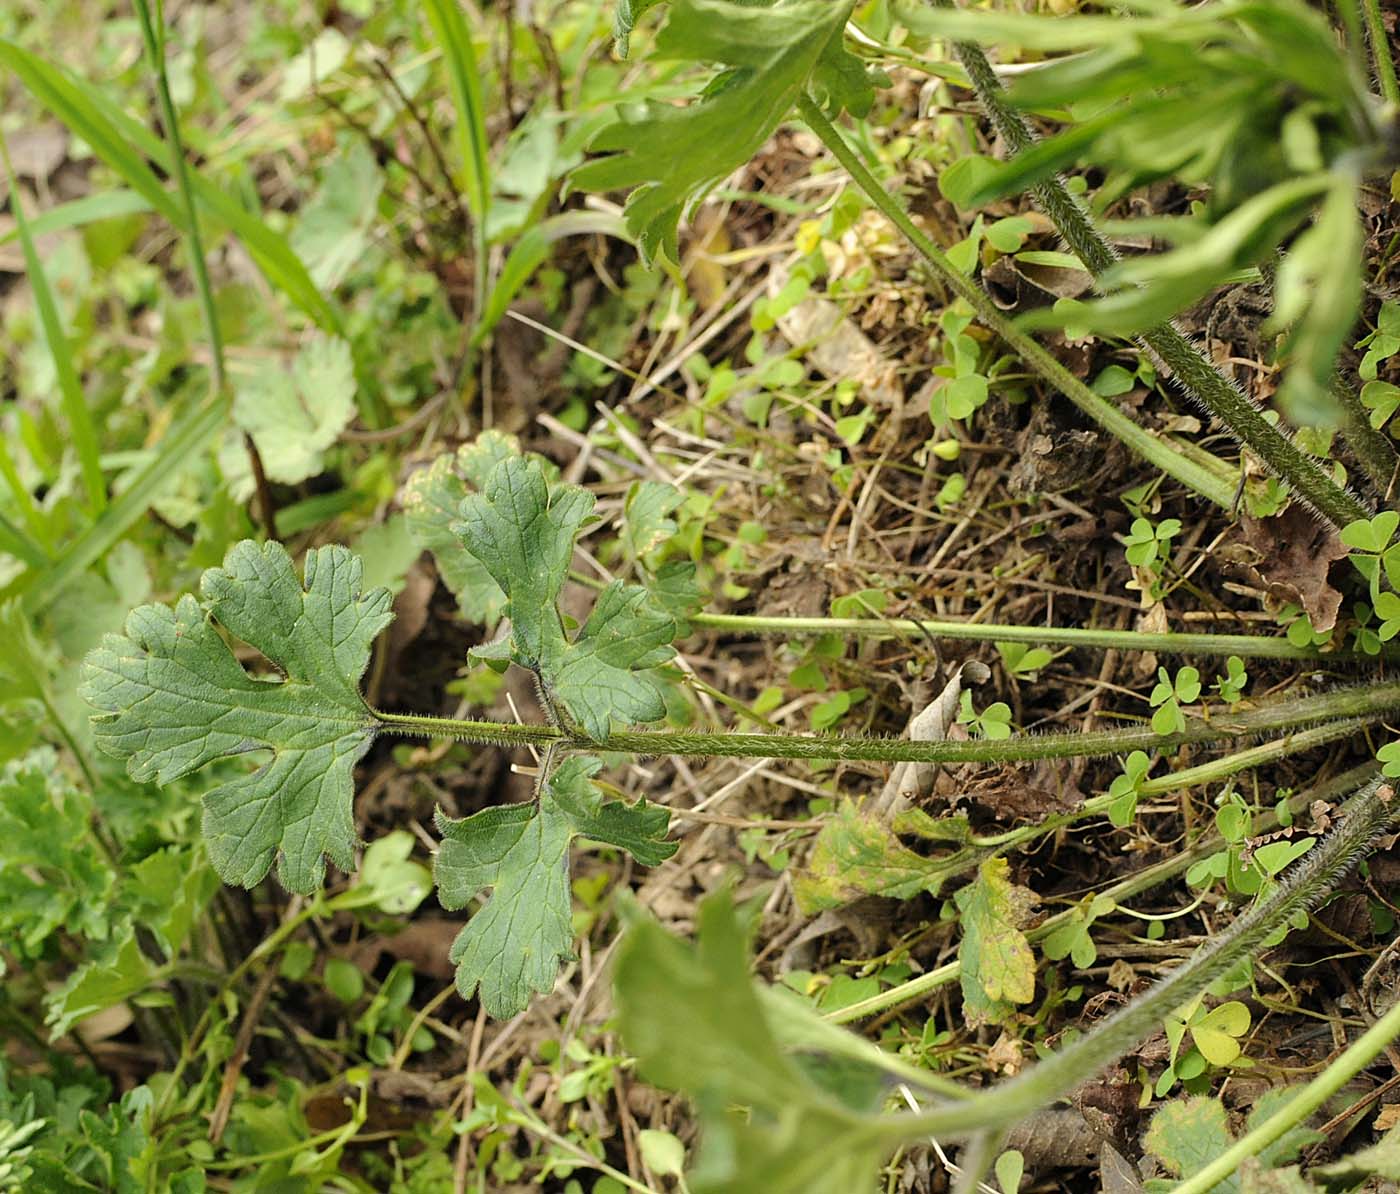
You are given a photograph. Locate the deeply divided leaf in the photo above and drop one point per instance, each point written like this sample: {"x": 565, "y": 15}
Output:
{"x": 172, "y": 697}
{"x": 669, "y": 156}
{"x": 512, "y": 947}
{"x": 522, "y": 531}
{"x": 432, "y": 502}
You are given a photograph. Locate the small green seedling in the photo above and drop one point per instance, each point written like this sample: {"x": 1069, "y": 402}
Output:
{"x": 1231, "y": 685}
{"x": 1215, "y": 1037}
{"x": 1372, "y": 550}
{"x": 1364, "y": 636}
{"x": 1127, "y": 787}
{"x": 1389, "y": 756}
{"x": 1298, "y": 628}
{"x": 1382, "y": 344}
{"x": 993, "y": 722}
{"x": 1147, "y": 545}
{"x": 1024, "y": 662}
{"x": 1168, "y": 697}
{"x": 1072, "y": 939}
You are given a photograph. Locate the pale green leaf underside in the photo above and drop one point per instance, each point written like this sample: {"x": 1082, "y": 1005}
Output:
{"x": 295, "y": 414}
{"x": 172, "y": 698}
{"x": 692, "y": 1018}
{"x": 511, "y": 948}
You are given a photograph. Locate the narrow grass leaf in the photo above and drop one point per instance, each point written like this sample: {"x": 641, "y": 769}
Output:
{"x": 58, "y": 92}
{"x": 70, "y": 387}
{"x": 177, "y": 451}
{"x": 120, "y": 141}
{"x": 528, "y": 254}
{"x": 463, "y": 75}
{"x": 107, "y": 205}
{"x": 14, "y": 541}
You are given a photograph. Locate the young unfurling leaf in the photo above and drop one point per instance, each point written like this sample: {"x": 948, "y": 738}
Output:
{"x": 172, "y": 698}
{"x": 512, "y": 947}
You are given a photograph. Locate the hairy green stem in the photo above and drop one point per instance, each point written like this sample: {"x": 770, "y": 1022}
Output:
{"x": 1368, "y": 701}
{"x": 1189, "y": 777}
{"x": 1215, "y": 486}
{"x": 1380, "y": 50}
{"x": 922, "y": 985}
{"x": 1373, "y": 810}
{"x": 1373, "y": 450}
{"x": 1311, "y": 1098}
{"x": 1244, "y": 645}
{"x": 1202, "y": 380}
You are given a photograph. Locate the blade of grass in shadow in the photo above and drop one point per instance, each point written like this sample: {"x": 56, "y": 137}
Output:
{"x": 529, "y": 252}
{"x": 176, "y": 452}
{"x": 70, "y": 386}
{"x": 153, "y": 35}
{"x": 455, "y": 38}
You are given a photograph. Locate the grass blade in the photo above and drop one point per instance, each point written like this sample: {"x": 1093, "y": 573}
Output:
{"x": 107, "y": 205}
{"x": 70, "y": 386}
{"x": 15, "y": 542}
{"x": 452, "y": 32}
{"x": 23, "y": 498}
{"x": 155, "y": 51}
{"x": 527, "y": 254}
{"x": 472, "y": 142}
{"x": 177, "y": 450}
{"x": 60, "y": 95}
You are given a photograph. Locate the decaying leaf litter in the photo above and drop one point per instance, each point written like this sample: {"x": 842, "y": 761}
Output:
{"x": 815, "y": 510}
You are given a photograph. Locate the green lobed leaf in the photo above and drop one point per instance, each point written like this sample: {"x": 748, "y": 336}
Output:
{"x": 332, "y": 231}
{"x": 166, "y": 893}
{"x": 293, "y": 414}
{"x": 432, "y": 501}
{"x": 52, "y": 875}
{"x": 513, "y": 945}
{"x": 1187, "y": 1134}
{"x": 646, "y": 516}
{"x": 522, "y": 531}
{"x": 668, "y": 156}
{"x": 172, "y": 698}
{"x": 997, "y": 964}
